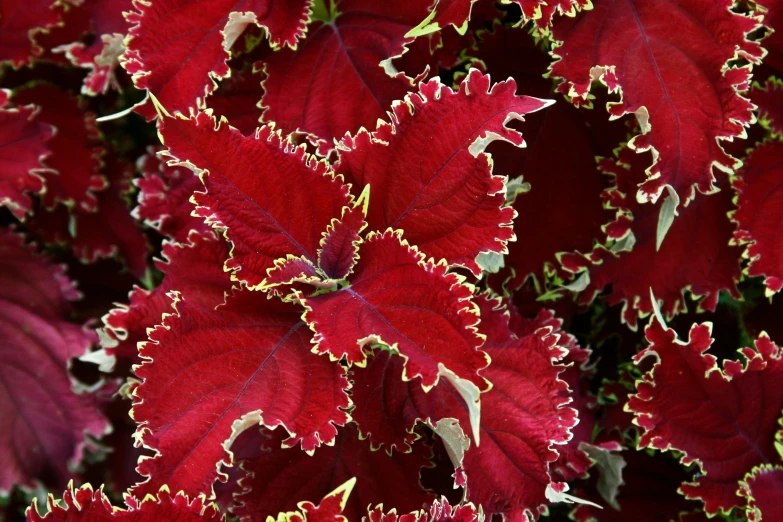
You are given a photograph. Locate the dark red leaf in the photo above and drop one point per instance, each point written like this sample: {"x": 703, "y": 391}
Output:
{"x": 769, "y": 100}
{"x": 696, "y": 255}
{"x": 111, "y": 231}
{"x": 277, "y": 479}
{"x": 773, "y": 43}
{"x": 671, "y": 75}
{"x": 570, "y": 182}
{"x": 29, "y": 281}
{"x": 760, "y": 213}
{"x": 23, "y": 141}
{"x": 76, "y": 150}
{"x": 238, "y": 99}
{"x": 649, "y": 492}
{"x": 723, "y": 419}
{"x": 107, "y": 231}
{"x": 763, "y": 489}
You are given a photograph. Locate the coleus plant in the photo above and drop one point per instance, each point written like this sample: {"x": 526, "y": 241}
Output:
{"x": 359, "y": 260}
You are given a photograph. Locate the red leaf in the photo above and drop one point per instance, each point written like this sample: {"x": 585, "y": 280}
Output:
{"x": 770, "y": 103}
{"x": 46, "y": 420}
{"x": 574, "y": 461}
{"x": 19, "y": 24}
{"x": 340, "y": 246}
{"x": 281, "y": 476}
{"x": 522, "y": 416}
{"x": 759, "y": 213}
{"x": 294, "y": 270}
{"x": 86, "y": 505}
{"x": 337, "y": 256}
{"x": 24, "y": 140}
{"x": 211, "y": 374}
{"x": 264, "y": 220}
{"x": 335, "y": 83}
{"x": 101, "y": 57}
{"x": 440, "y": 511}
{"x": 723, "y": 419}
{"x": 502, "y": 323}
{"x": 194, "y": 269}
{"x": 76, "y": 150}
{"x": 73, "y": 25}
{"x": 396, "y": 299}
{"x": 164, "y": 198}
{"x": 430, "y": 173}
{"x": 447, "y": 12}
{"x": 671, "y": 75}
{"x": 458, "y": 12}
{"x": 696, "y": 254}
{"x": 543, "y": 11}
{"x": 180, "y": 65}
{"x": 763, "y": 489}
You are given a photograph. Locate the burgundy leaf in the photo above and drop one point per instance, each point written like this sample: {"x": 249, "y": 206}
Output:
{"x": 671, "y": 75}
{"x": 46, "y": 419}
{"x": 722, "y": 419}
